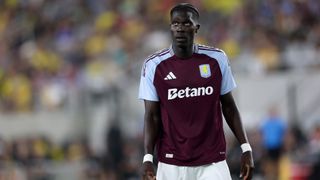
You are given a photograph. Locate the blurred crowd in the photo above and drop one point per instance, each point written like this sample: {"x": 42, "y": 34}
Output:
{"x": 50, "y": 49}
{"x": 47, "y": 46}
{"x": 39, "y": 158}
{"x": 281, "y": 152}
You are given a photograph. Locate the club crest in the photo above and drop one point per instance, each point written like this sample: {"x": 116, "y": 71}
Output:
{"x": 205, "y": 71}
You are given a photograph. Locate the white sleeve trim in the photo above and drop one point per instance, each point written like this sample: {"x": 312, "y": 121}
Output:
{"x": 227, "y": 83}
{"x": 147, "y": 90}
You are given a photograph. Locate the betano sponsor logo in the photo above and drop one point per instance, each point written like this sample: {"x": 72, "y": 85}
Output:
{"x": 174, "y": 93}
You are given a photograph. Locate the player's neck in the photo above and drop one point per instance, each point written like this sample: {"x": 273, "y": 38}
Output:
{"x": 183, "y": 52}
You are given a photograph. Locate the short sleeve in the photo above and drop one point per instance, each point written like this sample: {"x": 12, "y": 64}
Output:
{"x": 228, "y": 83}
{"x": 147, "y": 90}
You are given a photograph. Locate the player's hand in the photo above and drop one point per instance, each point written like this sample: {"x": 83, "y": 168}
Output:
{"x": 148, "y": 171}
{"x": 247, "y": 166}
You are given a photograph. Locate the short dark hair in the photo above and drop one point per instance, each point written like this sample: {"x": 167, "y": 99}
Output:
{"x": 185, "y": 6}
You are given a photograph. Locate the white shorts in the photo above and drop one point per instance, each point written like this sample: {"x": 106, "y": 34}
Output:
{"x": 216, "y": 171}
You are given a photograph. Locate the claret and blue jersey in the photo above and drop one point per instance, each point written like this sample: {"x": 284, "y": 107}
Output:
{"x": 188, "y": 91}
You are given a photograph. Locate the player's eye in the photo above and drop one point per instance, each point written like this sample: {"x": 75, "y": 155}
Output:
{"x": 174, "y": 24}
{"x": 187, "y": 24}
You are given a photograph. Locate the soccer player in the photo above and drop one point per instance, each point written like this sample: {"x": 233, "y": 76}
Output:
{"x": 186, "y": 88}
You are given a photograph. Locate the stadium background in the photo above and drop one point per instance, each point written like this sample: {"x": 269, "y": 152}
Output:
{"x": 69, "y": 72}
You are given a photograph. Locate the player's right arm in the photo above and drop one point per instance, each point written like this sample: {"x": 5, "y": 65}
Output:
{"x": 151, "y": 132}
{"x": 148, "y": 93}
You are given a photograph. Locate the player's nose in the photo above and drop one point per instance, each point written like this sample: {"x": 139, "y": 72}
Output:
{"x": 180, "y": 28}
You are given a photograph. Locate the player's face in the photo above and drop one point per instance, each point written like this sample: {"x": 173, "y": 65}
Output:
{"x": 183, "y": 28}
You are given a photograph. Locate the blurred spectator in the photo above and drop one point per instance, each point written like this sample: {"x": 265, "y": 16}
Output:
{"x": 273, "y": 131}
{"x": 315, "y": 140}
{"x": 115, "y": 147}
{"x": 314, "y": 147}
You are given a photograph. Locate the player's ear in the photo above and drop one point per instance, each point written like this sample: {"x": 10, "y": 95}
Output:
{"x": 197, "y": 27}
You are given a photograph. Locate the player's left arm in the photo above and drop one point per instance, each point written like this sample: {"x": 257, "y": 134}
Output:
{"x": 233, "y": 119}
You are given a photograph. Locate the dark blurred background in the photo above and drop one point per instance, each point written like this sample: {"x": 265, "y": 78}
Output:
{"x": 70, "y": 69}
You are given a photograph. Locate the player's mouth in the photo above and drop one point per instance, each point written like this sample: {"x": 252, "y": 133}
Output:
{"x": 181, "y": 39}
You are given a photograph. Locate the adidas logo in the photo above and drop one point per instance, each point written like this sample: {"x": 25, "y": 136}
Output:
{"x": 170, "y": 76}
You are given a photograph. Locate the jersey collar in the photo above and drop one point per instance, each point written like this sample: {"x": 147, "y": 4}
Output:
{"x": 195, "y": 49}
